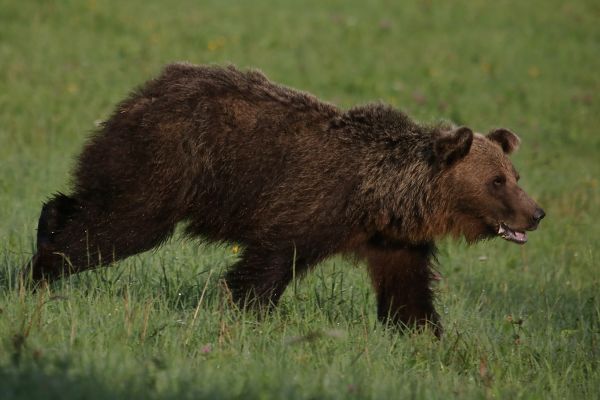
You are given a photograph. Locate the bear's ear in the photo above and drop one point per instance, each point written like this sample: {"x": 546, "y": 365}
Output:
{"x": 454, "y": 145}
{"x": 505, "y": 138}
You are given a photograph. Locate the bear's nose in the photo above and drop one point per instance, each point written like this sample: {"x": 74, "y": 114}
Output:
{"x": 538, "y": 215}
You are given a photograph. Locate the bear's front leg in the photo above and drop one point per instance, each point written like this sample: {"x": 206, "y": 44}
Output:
{"x": 402, "y": 277}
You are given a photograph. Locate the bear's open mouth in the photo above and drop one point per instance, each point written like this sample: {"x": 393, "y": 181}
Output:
{"x": 514, "y": 236}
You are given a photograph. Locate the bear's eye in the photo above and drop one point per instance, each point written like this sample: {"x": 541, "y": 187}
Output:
{"x": 499, "y": 181}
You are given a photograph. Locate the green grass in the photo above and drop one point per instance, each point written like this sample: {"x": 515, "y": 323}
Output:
{"x": 521, "y": 322}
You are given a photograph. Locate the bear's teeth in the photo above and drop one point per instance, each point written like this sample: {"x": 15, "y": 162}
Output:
{"x": 501, "y": 229}
{"x": 514, "y": 236}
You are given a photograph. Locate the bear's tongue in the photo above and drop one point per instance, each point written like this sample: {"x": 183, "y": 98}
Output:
{"x": 514, "y": 236}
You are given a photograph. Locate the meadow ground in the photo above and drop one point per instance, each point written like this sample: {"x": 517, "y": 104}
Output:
{"x": 521, "y": 322}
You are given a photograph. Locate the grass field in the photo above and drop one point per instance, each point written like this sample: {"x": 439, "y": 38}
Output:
{"x": 521, "y": 322}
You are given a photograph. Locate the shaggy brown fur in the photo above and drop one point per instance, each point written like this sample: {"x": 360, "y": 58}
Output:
{"x": 294, "y": 180}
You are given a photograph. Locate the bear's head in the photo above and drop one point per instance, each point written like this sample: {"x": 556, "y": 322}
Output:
{"x": 483, "y": 195}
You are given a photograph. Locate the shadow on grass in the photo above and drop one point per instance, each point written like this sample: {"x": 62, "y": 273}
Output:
{"x": 34, "y": 382}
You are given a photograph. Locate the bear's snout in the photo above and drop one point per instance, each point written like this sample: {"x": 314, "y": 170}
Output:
{"x": 538, "y": 215}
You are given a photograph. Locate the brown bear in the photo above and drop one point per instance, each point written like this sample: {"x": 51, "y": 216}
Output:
{"x": 293, "y": 180}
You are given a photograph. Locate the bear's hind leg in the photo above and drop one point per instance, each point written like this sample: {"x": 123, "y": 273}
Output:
{"x": 402, "y": 278}
{"x": 259, "y": 279}
{"x": 76, "y": 235}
